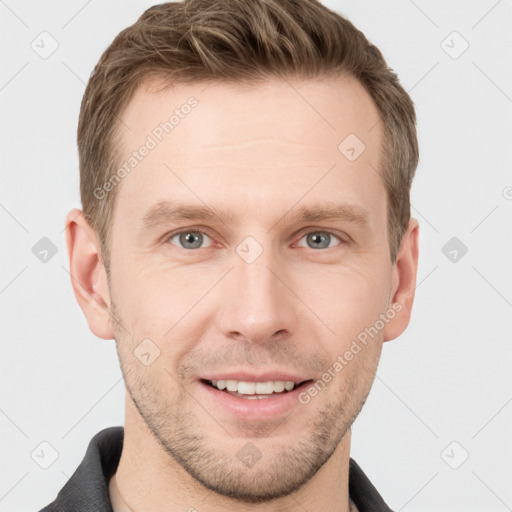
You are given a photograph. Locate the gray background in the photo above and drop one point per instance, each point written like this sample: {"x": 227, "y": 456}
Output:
{"x": 442, "y": 390}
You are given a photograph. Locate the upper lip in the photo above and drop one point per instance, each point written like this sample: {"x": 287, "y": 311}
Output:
{"x": 260, "y": 377}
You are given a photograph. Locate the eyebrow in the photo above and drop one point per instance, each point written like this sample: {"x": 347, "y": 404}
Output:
{"x": 166, "y": 212}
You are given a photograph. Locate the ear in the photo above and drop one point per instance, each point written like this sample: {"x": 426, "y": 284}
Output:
{"x": 88, "y": 274}
{"x": 403, "y": 282}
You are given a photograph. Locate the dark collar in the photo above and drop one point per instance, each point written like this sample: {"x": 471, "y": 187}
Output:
{"x": 87, "y": 489}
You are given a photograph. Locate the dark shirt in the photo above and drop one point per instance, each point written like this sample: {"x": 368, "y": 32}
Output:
{"x": 87, "y": 489}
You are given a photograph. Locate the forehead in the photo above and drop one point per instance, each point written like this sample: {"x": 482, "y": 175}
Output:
{"x": 249, "y": 145}
{"x": 332, "y": 108}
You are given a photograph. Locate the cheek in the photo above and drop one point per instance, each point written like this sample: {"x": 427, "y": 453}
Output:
{"x": 347, "y": 300}
{"x": 164, "y": 307}
{"x": 149, "y": 298}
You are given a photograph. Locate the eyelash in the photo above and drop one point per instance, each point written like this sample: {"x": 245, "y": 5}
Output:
{"x": 170, "y": 236}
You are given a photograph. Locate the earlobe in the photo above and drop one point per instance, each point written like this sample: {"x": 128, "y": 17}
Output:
{"x": 88, "y": 274}
{"x": 403, "y": 282}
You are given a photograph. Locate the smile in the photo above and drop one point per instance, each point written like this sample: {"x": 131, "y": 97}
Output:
{"x": 253, "y": 401}
{"x": 254, "y": 390}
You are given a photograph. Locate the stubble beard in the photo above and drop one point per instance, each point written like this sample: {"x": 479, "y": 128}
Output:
{"x": 283, "y": 468}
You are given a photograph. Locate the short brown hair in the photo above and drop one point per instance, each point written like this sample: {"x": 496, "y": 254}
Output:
{"x": 239, "y": 41}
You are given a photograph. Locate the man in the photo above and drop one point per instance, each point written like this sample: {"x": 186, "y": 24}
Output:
{"x": 246, "y": 239}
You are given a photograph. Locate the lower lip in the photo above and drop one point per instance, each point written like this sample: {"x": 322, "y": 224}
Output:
{"x": 255, "y": 408}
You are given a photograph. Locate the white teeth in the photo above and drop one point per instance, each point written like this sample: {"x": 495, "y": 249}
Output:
{"x": 278, "y": 386}
{"x": 232, "y": 385}
{"x": 247, "y": 388}
{"x": 254, "y": 388}
{"x": 262, "y": 388}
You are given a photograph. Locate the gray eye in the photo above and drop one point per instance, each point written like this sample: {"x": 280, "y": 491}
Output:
{"x": 190, "y": 239}
{"x": 320, "y": 239}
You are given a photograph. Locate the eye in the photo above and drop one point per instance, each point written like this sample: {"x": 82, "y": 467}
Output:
{"x": 189, "y": 239}
{"x": 320, "y": 239}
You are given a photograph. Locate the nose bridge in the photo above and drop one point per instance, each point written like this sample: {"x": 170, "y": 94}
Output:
{"x": 257, "y": 304}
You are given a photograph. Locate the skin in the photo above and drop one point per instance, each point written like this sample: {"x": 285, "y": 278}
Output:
{"x": 260, "y": 152}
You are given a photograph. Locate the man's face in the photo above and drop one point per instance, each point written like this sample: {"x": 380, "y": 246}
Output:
{"x": 254, "y": 293}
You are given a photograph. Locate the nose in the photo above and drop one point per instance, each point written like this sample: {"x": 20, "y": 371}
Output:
{"x": 258, "y": 304}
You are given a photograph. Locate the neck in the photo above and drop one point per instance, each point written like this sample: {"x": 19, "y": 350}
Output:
{"x": 147, "y": 477}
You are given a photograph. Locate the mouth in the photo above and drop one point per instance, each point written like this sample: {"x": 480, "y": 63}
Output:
{"x": 256, "y": 390}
